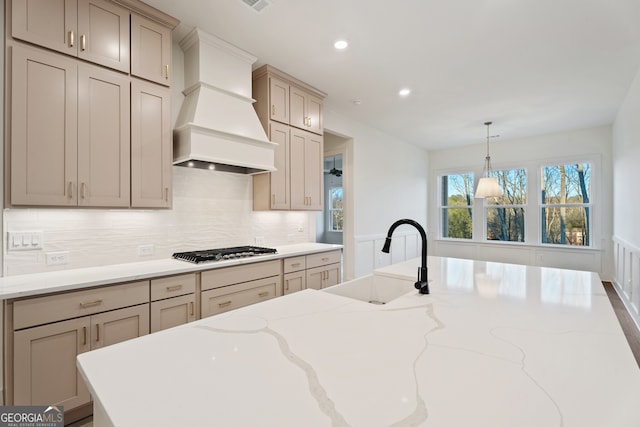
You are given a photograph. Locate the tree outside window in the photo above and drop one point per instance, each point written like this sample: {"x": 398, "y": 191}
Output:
{"x": 565, "y": 204}
{"x": 456, "y": 205}
{"x": 336, "y": 218}
{"x": 505, "y": 214}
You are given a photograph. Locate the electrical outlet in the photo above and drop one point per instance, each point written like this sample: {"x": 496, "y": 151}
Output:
{"x": 58, "y": 258}
{"x": 300, "y": 228}
{"x": 260, "y": 240}
{"x": 145, "y": 250}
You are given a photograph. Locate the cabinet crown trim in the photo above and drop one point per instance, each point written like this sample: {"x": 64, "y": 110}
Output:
{"x": 273, "y": 71}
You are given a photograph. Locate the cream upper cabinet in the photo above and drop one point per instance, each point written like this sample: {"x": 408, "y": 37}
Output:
{"x": 306, "y": 170}
{"x": 306, "y": 110}
{"x": 283, "y": 102}
{"x": 150, "y": 50}
{"x": 103, "y": 138}
{"x": 44, "y": 128}
{"x": 151, "y": 150}
{"x": 279, "y": 100}
{"x": 69, "y": 132}
{"x": 94, "y": 30}
{"x": 272, "y": 190}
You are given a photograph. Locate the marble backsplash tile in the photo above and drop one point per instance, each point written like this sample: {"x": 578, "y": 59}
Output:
{"x": 210, "y": 209}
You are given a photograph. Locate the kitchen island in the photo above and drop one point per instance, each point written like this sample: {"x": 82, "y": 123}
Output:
{"x": 492, "y": 345}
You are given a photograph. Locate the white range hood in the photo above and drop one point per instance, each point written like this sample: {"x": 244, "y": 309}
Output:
{"x": 217, "y": 127}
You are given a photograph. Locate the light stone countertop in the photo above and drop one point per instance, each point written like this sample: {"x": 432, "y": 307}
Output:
{"x": 493, "y": 344}
{"x": 64, "y": 280}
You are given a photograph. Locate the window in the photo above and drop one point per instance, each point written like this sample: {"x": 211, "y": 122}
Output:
{"x": 565, "y": 204}
{"x": 335, "y": 209}
{"x": 457, "y": 205}
{"x": 505, "y": 214}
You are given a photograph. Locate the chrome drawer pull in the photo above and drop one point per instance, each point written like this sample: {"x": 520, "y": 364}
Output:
{"x": 84, "y": 335}
{"x": 174, "y": 288}
{"x": 297, "y": 264}
{"x": 224, "y": 304}
{"x": 90, "y": 303}
{"x": 192, "y": 308}
{"x": 263, "y": 294}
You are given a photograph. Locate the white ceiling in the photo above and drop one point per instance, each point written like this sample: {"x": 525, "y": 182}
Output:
{"x": 530, "y": 66}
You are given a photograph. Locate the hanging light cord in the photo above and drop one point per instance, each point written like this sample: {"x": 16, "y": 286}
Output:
{"x": 487, "y": 160}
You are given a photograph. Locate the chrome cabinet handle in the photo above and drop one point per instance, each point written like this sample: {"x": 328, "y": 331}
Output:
{"x": 174, "y": 288}
{"x": 263, "y": 294}
{"x": 70, "y": 189}
{"x": 192, "y": 307}
{"x": 83, "y": 42}
{"x": 97, "y": 332}
{"x": 71, "y": 39}
{"x": 224, "y": 304}
{"x": 84, "y": 335}
{"x": 166, "y": 71}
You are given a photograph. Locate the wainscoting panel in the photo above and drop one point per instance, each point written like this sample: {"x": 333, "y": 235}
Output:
{"x": 369, "y": 255}
{"x": 627, "y": 275}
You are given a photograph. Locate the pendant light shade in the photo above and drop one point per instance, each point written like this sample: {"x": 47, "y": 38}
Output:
{"x": 487, "y": 185}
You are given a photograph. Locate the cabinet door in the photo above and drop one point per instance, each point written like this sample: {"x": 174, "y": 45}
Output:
{"x": 298, "y": 105}
{"x": 171, "y": 312}
{"x": 103, "y": 34}
{"x": 43, "y": 128}
{"x": 332, "y": 275}
{"x": 48, "y": 23}
{"x": 314, "y": 277}
{"x": 115, "y": 326}
{"x": 104, "y": 137}
{"x": 280, "y": 190}
{"x": 150, "y": 50}
{"x": 150, "y": 145}
{"x": 294, "y": 282}
{"x": 278, "y": 100}
{"x": 306, "y": 170}
{"x": 314, "y": 114}
{"x": 44, "y": 360}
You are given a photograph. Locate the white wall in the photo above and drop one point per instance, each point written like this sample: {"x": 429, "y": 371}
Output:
{"x": 385, "y": 180}
{"x": 626, "y": 204}
{"x": 593, "y": 143}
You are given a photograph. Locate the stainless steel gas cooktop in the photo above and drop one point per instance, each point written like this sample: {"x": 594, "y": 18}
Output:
{"x": 220, "y": 254}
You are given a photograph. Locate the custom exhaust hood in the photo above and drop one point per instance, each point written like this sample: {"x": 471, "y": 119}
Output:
{"x": 217, "y": 127}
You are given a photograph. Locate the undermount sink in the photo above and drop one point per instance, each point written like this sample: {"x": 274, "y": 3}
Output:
{"x": 373, "y": 289}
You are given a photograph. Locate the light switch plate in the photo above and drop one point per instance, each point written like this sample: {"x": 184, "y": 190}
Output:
{"x": 24, "y": 240}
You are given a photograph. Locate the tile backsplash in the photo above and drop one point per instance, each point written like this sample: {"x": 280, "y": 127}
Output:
{"x": 210, "y": 209}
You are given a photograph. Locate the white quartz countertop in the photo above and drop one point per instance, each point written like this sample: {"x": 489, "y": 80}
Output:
{"x": 491, "y": 345}
{"x": 64, "y": 280}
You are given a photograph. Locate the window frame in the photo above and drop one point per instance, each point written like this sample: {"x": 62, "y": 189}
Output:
{"x": 444, "y": 209}
{"x": 331, "y": 209}
{"x": 533, "y": 205}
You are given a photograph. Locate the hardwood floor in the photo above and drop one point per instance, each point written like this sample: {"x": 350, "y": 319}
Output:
{"x": 628, "y": 325}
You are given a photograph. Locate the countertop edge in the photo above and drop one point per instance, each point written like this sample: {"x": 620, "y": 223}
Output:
{"x": 29, "y": 285}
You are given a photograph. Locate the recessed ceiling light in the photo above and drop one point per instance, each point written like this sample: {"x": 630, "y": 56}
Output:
{"x": 341, "y": 44}
{"x": 404, "y": 91}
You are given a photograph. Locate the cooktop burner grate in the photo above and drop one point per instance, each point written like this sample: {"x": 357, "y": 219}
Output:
{"x": 221, "y": 254}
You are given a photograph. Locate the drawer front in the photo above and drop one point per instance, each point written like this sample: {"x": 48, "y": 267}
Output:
{"x": 52, "y": 308}
{"x": 173, "y": 286}
{"x": 294, "y": 264}
{"x": 239, "y": 274}
{"x": 324, "y": 258}
{"x": 219, "y": 300}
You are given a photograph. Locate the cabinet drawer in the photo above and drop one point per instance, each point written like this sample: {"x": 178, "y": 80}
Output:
{"x": 239, "y": 274}
{"x": 294, "y": 264}
{"x": 324, "y": 258}
{"x": 219, "y": 300}
{"x": 173, "y": 286}
{"x": 51, "y": 308}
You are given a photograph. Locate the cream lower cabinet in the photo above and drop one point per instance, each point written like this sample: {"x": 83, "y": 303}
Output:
{"x": 295, "y": 275}
{"x": 50, "y": 331}
{"x": 323, "y": 269}
{"x": 229, "y": 288}
{"x": 173, "y": 301}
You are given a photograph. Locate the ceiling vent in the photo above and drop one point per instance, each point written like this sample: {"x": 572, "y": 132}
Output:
{"x": 257, "y": 5}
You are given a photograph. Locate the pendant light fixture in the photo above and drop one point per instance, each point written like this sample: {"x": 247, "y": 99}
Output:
{"x": 487, "y": 185}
